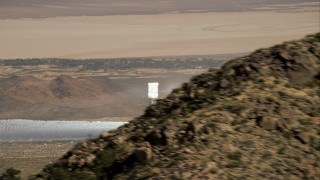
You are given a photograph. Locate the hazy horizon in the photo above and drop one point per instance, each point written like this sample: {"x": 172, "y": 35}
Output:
{"x": 100, "y": 29}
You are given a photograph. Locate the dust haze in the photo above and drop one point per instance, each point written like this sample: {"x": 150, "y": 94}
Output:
{"x": 104, "y": 29}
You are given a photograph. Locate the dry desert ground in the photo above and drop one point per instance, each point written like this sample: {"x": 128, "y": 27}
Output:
{"x": 166, "y": 34}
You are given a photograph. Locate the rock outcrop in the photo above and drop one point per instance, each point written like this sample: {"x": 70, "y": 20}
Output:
{"x": 256, "y": 118}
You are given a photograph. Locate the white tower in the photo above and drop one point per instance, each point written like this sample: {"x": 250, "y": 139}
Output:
{"x": 153, "y": 91}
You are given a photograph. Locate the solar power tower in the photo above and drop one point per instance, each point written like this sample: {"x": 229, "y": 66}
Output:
{"x": 153, "y": 92}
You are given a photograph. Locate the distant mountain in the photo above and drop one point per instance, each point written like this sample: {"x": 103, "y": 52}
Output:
{"x": 63, "y": 97}
{"x": 256, "y": 118}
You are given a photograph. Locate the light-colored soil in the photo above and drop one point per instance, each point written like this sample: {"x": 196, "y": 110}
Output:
{"x": 41, "y": 9}
{"x": 31, "y": 157}
{"x": 153, "y": 35}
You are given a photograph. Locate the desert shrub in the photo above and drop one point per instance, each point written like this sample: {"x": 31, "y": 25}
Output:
{"x": 208, "y": 128}
{"x": 281, "y": 150}
{"x": 235, "y": 164}
{"x": 234, "y": 107}
{"x": 235, "y": 155}
{"x": 57, "y": 173}
{"x": 11, "y": 174}
{"x": 212, "y": 126}
{"x": 312, "y": 111}
{"x": 288, "y": 134}
{"x": 315, "y": 143}
{"x": 213, "y": 171}
{"x": 105, "y": 158}
{"x": 238, "y": 128}
{"x": 266, "y": 155}
{"x": 83, "y": 175}
{"x": 283, "y": 94}
{"x": 305, "y": 121}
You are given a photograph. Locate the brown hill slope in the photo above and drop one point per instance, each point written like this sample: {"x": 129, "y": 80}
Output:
{"x": 62, "y": 98}
{"x": 256, "y": 118}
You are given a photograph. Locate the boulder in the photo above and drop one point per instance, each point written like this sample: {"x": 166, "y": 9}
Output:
{"x": 90, "y": 158}
{"x": 302, "y": 137}
{"x": 143, "y": 152}
{"x": 72, "y": 160}
{"x": 268, "y": 123}
{"x": 81, "y": 162}
{"x": 301, "y": 68}
{"x": 104, "y": 135}
{"x": 228, "y": 148}
{"x": 188, "y": 151}
{"x": 224, "y": 83}
{"x": 156, "y": 137}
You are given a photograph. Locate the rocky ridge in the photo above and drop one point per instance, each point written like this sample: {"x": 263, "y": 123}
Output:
{"x": 256, "y": 118}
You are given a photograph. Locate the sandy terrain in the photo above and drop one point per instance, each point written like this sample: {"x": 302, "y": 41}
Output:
{"x": 31, "y": 157}
{"x": 10, "y": 9}
{"x": 153, "y": 35}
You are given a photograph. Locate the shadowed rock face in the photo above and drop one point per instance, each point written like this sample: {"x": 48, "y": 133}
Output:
{"x": 60, "y": 87}
{"x": 258, "y": 117}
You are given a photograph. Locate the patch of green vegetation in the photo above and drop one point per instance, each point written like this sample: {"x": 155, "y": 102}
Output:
{"x": 311, "y": 84}
{"x": 119, "y": 63}
{"x": 266, "y": 155}
{"x": 283, "y": 94}
{"x": 235, "y": 155}
{"x": 233, "y": 107}
{"x": 313, "y": 111}
{"x": 313, "y": 37}
{"x": 58, "y": 172}
{"x": 137, "y": 136}
{"x": 11, "y": 174}
{"x": 281, "y": 150}
{"x": 315, "y": 143}
{"x": 270, "y": 99}
{"x": 235, "y": 164}
{"x": 297, "y": 158}
{"x": 104, "y": 160}
{"x": 288, "y": 134}
{"x": 212, "y": 157}
{"x": 305, "y": 121}
{"x": 83, "y": 175}
{"x": 12, "y": 75}
{"x": 212, "y": 171}
{"x": 238, "y": 128}
{"x": 239, "y": 121}
{"x": 208, "y": 128}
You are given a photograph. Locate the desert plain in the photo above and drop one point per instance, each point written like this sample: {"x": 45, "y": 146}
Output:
{"x": 190, "y": 32}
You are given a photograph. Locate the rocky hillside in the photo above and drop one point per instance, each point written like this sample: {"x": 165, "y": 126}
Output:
{"x": 256, "y": 118}
{"x": 63, "y": 97}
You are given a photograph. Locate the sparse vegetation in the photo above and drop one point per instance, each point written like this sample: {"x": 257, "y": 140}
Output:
{"x": 207, "y": 129}
{"x": 235, "y": 155}
{"x": 119, "y": 63}
{"x": 11, "y": 174}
